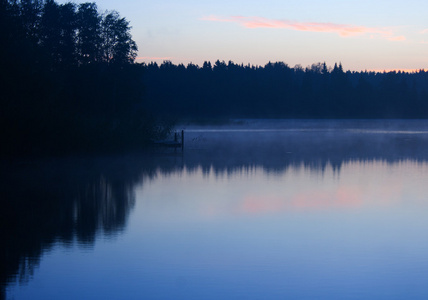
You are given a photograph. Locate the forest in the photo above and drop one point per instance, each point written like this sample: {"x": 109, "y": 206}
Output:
{"x": 69, "y": 84}
{"x": 228, "y": 90}
{"x": 68, "y": 81}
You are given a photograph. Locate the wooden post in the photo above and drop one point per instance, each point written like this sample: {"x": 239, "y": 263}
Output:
{"x": 182, "y": 140}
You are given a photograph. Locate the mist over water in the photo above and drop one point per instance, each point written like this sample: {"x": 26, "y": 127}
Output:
{"x": 255, "y": 209}
{"x": 277, "y": 144}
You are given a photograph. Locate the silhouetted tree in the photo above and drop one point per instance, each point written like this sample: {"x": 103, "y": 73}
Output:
{"x": 88, "y": 33}
{"x": 50, "y": 30}
{"x": 117, "y": 43}
{"x": 30, "y": 15}
{"x": 68, "y": 25}
{"x": 207, "y": 66}
{"x": 68, "y": 81}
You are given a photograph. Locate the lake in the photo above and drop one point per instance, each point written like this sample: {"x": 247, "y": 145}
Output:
{"x": 255, "y": 209}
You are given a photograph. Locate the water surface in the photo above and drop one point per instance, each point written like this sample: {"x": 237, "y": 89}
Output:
{"x": 252, "y": 210}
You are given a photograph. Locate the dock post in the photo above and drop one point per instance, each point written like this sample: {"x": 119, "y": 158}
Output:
{"x": 182, "y": 140}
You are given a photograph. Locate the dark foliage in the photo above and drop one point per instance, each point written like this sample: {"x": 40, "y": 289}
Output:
{"x": 228, "y": 90}
{"x": 68, "y": 83}
{"x": 67, "y": 80}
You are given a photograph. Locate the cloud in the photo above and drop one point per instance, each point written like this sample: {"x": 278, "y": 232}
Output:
{"x": 340, "y": 29}
{"x": 425, "y": 31}
{"x": 399, "y": 38}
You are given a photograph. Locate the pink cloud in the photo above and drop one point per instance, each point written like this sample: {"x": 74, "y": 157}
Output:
{"x": 397, "y": 38}
{"x": 341, "y": 29}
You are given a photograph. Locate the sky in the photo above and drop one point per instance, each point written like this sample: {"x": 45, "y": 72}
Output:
{"x": 361, "y": 34}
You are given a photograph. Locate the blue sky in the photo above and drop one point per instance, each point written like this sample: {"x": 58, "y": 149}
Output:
{"x": 361, "y": 34}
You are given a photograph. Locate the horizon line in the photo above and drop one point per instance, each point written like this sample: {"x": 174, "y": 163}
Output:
{"x": 151, "y": 59}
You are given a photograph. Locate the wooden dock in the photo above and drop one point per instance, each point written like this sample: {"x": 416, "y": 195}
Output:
{"x": 177, "y": 142}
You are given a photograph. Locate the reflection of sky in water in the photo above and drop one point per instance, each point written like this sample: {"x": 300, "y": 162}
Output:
{"x": 358, "y": 232}
{"x": 357, "y": 185}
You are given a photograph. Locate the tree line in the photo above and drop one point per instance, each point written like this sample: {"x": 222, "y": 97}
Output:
{"x": 66, "y": 34}
{"x": 68, "y": 81}
{"x": 276, "y": 90}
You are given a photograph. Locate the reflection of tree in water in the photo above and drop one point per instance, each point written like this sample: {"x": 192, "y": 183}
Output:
{"x": 46, "y": 203}
{"x": 102, "y": 206}
{"x": 228, "y": 152}
{"x": 69, "y": 201}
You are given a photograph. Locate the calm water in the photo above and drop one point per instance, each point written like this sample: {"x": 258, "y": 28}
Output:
{"x": 252, "y": 210}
